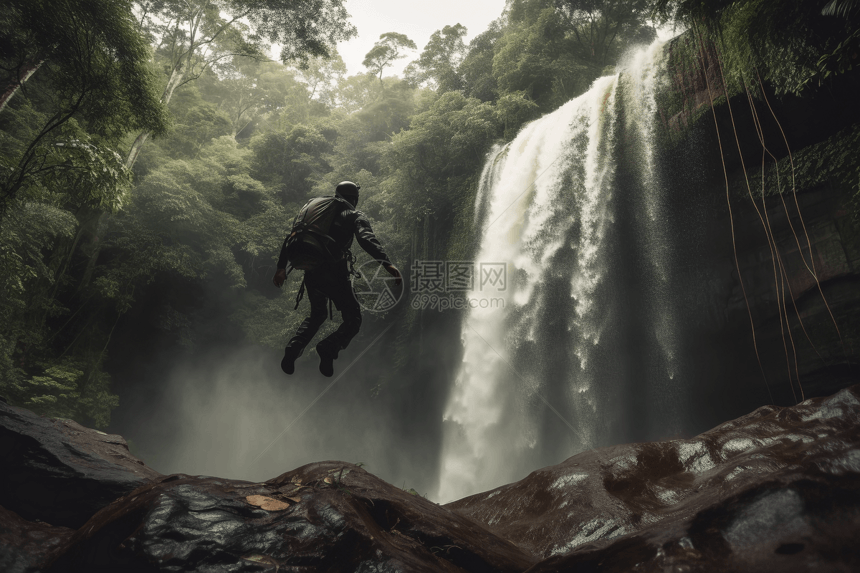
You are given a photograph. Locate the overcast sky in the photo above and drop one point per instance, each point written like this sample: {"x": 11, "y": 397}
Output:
{"x": 418, "y": 20}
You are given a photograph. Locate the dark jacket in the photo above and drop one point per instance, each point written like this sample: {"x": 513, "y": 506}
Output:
{"x": 347, "y": 224}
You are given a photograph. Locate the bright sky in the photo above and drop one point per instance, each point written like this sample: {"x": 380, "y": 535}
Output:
{"x": 418, "y": 20}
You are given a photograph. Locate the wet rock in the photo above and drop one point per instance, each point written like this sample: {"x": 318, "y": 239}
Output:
{"x": 329, "y": 516}
{"x": 60, "y": 472}
{"x": 778, "y": 489}
{"x": 24, "y": 545}
{"x": 789, "y": 524}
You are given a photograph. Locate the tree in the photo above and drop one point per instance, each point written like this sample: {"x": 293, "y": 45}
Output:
{"x": 68, "y": 33}
{"x": 354, "y": 92}
{"x": 599, "y": 25}
{"x": 286, "y": 161}
{"x": 390, "y": 47}
{"x": 195, "y": 34}
{"x": 553, "y": 49}
{"x": 476, "y": 69}
{"x": 432, "y": 163}
{"x": 536, "y": 57}
{"x": 322, "y": 75}
{"x": 93, "y": 72}
{"x": 440, "y": 59}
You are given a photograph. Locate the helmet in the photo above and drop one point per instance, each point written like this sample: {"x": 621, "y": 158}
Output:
{"x": 347, "y": 189}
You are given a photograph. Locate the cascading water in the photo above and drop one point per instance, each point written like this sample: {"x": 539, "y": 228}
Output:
{"x": 585, "y": 351}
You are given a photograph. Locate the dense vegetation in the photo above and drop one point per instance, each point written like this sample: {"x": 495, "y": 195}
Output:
{"x": 152, "y": 154}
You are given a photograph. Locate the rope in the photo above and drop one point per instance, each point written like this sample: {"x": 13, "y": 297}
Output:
{"x": 731, "y": 216}
{"x": 800, "y": 216}
{"x": 776, "y": 258}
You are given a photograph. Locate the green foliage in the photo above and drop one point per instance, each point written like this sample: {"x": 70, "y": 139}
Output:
{"x": 304, "y": 29}
{"x": 513, "y": 110}
{"x": 322, "y": 77}
{"x": 72, "y": 386}
{"x": 28, "y": 229}
{"x": 205, "y": 212}
{"x": 552, "y": 50}
{"x": 65, "y": 390}
{"x": 438, "y": 63}
{"x": 476, "y": 69}
{"x": 92, "y": 83}
{"x": 391, "y": 47}
{"x": 429, "y": 162}
{"x": 603, "y": 27}
{"x": 288, "y": 161}
{"x": 788, "y": 43}
{"x": 196, "y": 123}
{"x": 206, "y": 207}
{"x": 92, "y": 50}
{"x": 832, "y": 162}
{"x": 842, "y": 8}
{"x": 843, "y": 58}
{"x": 536, "y": 57}
{"x": 354, "y": 92}
{"x": 69, "y": 159}
{"x": 197, "y": 230}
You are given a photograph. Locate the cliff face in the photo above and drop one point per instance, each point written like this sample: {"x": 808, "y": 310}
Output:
{"x": 762, "y": 187}
{"x": 778, "y": 489}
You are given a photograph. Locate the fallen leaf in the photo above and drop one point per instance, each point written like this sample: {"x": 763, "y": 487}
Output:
{"x": 267, "y": 503}
{"x": 328, "y": 480}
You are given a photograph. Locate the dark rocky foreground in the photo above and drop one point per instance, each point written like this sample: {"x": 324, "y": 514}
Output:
{"x": 776, "y": 490}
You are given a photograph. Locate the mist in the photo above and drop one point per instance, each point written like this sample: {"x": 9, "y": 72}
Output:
{"x": 234, "y": 414}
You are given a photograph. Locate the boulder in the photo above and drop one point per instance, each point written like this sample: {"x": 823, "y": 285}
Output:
{"x": 776, "y": 490}
{"x": 59, "y": 472}
{"x": 329, "y": 516}
{"x": 791, "y": 524}
{"x": 777, "y": 485}
{"x": 24, "y": 545}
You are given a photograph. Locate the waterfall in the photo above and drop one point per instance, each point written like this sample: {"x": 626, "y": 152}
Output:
{"x": 585, "y": 351}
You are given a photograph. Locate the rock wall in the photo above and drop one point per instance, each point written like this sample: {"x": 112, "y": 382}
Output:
{"x": 762, "y": 188}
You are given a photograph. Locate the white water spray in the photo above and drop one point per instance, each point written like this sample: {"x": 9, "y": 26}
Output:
{"x": 541, "y": 378}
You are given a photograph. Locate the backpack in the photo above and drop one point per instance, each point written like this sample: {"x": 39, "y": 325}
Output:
{"x": 309, "y": 244}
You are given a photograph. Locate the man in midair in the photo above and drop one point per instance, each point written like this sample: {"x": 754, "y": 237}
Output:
{"x": 329, "y": 281}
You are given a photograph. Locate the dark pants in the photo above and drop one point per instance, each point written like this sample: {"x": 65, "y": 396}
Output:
{"x": 321, "y": 286}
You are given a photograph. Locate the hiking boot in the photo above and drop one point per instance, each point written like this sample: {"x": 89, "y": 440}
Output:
{"x": 291, "y": 353}
{"x": 327, "y": 352}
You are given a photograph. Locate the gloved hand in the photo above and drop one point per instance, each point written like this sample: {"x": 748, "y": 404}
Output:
{"x": 280, "y": 277}
{"x": 395, "y": 272}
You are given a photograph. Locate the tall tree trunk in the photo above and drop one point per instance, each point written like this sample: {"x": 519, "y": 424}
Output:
{"x": 176, "y": 78}
{"x": 24, "y": 74}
